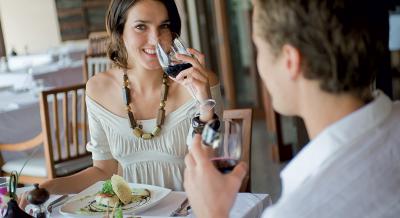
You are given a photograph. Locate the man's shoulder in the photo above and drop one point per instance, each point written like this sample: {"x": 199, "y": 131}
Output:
{"x": 351, "y": 193}
{"x": 392, "y": 123}
{"x": 396, "y": 109}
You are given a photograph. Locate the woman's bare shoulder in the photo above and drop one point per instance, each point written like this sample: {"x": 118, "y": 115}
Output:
{"x": 99, "y": 85}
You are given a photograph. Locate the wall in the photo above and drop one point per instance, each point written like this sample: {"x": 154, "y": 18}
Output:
{"x": 30, "y": 24}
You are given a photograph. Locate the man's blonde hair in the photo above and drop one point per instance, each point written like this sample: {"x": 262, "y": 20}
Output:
{"x": 343, "y": 42}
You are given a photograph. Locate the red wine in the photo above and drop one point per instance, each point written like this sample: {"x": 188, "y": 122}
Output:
{"x": 224, "y": 165}
{"x": 174, "y": 70}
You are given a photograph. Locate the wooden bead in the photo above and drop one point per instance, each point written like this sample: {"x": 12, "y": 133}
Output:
{"x": 132, "y": 121}
{"x": 164, "y": 92}
{"x": 156, "y": 131}
{"x": 162, "y": 104}
{"x": 126, "y": 83}
{"x": 137, "y": 132}
{"x": 160, "y": 117}
{"x": 147, "y": 136}
{"x": 125, "y": 78}
{"x": 126, "y": 95}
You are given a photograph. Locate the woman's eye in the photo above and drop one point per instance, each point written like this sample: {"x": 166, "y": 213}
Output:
{"x": 140, "y": 27}
{"x": 165, "y": 26}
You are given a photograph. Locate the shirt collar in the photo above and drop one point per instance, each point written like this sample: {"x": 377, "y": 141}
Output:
{"x": 337, "y": 135}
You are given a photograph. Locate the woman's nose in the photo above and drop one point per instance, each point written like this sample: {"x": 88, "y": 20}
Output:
{"x": 153, "y": 37}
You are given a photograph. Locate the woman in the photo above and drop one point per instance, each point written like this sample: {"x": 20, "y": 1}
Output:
{"x": 151, "y": 152}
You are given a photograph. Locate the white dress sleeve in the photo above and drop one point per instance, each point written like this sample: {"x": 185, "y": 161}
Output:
{"x": 219, "y": 107}
{"x": 98, "y": 143}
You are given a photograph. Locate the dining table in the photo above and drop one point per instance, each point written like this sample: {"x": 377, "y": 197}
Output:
{"x": 247, "y": 205}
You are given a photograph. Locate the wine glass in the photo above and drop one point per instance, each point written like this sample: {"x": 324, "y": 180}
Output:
{"x": 166, "y": 49}
{"x": 225, "y": 139}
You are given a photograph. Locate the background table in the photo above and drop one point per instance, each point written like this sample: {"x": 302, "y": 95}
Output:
{"x": 52, "y": 75}
{"x": 19, "y": 109}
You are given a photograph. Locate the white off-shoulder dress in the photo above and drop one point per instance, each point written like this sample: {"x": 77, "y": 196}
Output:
{"x": 158, "y": 161}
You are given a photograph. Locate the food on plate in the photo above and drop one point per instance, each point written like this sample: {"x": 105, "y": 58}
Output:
{"x": 121, "y": 189}
{"x": 107, "y": 196}
{"x": 140, "y": 193}
{"x": 117, "y": 193}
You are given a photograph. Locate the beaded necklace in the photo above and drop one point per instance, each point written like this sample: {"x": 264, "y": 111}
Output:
{"x": 137, "y": 131}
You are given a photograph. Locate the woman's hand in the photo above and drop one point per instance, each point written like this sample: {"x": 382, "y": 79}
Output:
{"x": 211, "y": 194}
{"x": 195, "y": 78}
{"x": 22, "y": 201}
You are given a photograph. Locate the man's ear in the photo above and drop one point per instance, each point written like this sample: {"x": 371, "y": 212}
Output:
{"x": 292, "y": 60}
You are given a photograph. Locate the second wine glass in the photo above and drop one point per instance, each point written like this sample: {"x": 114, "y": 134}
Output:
{"x": 225, "y": 139}
{"x": 167, "y": 48}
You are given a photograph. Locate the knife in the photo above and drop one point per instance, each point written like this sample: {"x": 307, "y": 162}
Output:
{"x": 181, "y": 207}
{"x": 57, "y": 202}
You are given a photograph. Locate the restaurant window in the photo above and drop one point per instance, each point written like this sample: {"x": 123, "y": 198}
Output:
{"x": 78, "y": 18}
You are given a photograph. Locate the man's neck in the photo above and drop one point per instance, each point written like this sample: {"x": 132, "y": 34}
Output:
{"x": 321, "y": 109}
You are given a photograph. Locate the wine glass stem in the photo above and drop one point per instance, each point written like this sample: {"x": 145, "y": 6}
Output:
{"x": 193, "y": 94}
{"x": 201, "y": 106}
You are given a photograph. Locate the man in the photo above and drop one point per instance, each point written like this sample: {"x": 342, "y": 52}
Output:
{"x": 318, "y": 59}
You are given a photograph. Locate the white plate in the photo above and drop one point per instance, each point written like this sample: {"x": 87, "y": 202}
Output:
{"x": 72, "y": 207}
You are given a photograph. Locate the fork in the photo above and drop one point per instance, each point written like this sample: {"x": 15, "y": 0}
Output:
{"x": 182, "y": 210}
{"x": 56, "y": 203}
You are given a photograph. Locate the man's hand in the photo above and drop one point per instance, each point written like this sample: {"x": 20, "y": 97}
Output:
{"x": 211, "y": 194}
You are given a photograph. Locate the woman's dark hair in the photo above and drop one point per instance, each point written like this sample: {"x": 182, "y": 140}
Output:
{"x": 343, "y": 42}
{"x": 115, "y": 22}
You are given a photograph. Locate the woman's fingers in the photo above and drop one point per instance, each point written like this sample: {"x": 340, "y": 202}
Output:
{"x": 197, "y": 63}
{"x": 198, "y": 55}
{"x": 189, "y": 59}
{"x": 192, "y": 73}
{"x": 195, "y": 78}
{"x": 22, "y": 202}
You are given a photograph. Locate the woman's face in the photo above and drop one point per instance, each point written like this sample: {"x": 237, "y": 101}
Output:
{"x": 147, "y": 22}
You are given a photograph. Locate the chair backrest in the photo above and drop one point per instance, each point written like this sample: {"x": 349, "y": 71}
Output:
{"x": 65, "y": 130}
{"x": 26, "y": 145}
{"x": 244, "y": 118}
{"x": 93, "y": 64}
{"x": 98, "y": 42}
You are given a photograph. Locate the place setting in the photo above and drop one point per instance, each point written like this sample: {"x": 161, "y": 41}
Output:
{"x": 110, "y": 198}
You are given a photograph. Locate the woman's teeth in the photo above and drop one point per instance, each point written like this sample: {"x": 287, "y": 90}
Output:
{"x": 150, "y": 51}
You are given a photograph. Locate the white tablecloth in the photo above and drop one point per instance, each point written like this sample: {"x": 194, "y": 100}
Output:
{"x": 59, "y": 76}
{"x": 247, "y": 205}
{"x": 53, "y": 75}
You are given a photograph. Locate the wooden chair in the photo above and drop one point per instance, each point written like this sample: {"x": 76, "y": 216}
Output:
{"x": 244, "y": 118}
{"x": 7, "y": 167}
{"x": 95, "y": 60}
{"x": 93, "y": 64}
{"x": 67, "y": 156}
{"x": 98, "y": 42}
{"x": 62, "y": 141}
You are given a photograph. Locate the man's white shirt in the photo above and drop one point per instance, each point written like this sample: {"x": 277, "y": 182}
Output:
{"x": 351, "y": 169}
